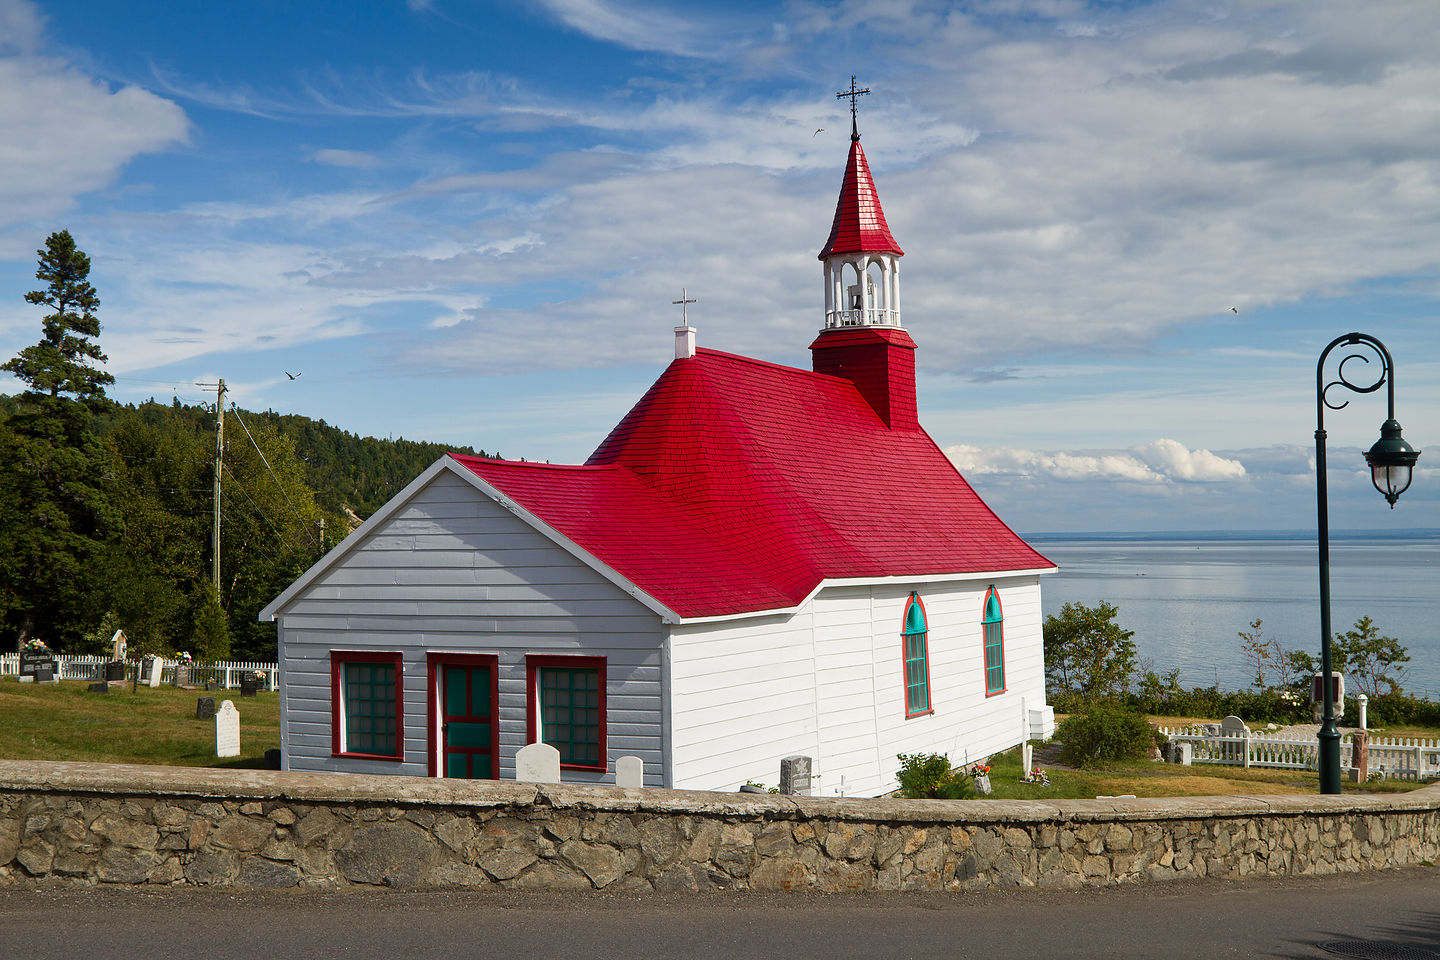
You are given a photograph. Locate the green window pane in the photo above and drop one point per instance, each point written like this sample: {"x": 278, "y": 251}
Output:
{"x": 455, "y": 689}
{"x": 479, "y": 693}
{"x": 570, "y": 713}
{"x": 370, "y": 715}
{"x": 457, "y": 765}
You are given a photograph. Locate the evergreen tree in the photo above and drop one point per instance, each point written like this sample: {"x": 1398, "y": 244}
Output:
{"x": 210, "y": 636}
{"x": 56, "y": 512}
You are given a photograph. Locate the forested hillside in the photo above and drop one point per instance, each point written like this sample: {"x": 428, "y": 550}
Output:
{"x": 151, "y": 574}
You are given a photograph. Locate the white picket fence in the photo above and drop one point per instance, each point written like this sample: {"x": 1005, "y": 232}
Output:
{"x": 225, "y": 672}
{"x": 1410, "y": 758}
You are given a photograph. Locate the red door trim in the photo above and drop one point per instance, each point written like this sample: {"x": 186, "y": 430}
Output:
{"x": 433, "y": 663}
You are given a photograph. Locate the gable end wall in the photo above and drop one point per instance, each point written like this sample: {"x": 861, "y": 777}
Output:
{"x": 454, "y": 572}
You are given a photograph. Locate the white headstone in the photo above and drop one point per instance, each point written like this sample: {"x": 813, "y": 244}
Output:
{"x": 1027, "y": 759}
{"x": 537, "y": 763}
{"x": 227, "y": 730}
{"x": 157, "y": 666}
{"x": 630, "y": 772}
{"x": 1233, "y": 726}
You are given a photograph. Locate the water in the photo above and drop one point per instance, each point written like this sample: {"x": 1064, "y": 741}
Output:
{"x": 1187, "y": 599}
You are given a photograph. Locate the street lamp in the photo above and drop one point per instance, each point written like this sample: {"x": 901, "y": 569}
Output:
{"x": 1391, "y": 461}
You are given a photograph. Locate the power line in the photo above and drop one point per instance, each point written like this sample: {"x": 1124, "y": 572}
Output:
{"x": 236, "y": 411}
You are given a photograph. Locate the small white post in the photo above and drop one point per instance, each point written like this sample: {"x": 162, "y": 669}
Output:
{"x": 1363, "y": 700}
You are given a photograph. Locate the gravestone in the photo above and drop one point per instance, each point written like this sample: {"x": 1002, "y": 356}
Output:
{"x": 537, "y": 763}
{"x": 115, "y": 670}
{"x": 102, "y": 687}
{"x": 249, "y": 685}
{"x": 795, "y": 776}
{"x": 35, "y": 662}
{"x": 272, "y": 758}
{"x": 227, "y": 730}
{"x": 630, "y": 772}
{"x": 157, "y": 667}
{"x": 204, "y": 708}
{"x": 182, "y": 674}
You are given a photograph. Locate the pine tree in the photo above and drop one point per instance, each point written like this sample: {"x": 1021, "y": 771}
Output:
{"x": 56, "y": 511}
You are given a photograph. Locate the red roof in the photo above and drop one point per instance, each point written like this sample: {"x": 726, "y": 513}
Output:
{"x": 859, "y": 225}
{"x": 736, "y": 485}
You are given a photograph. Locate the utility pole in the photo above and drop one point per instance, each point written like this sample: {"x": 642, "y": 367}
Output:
{"x": 219, "y": 463}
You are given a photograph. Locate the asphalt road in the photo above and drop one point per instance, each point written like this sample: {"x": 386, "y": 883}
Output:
{"x": 1397, "y": 913}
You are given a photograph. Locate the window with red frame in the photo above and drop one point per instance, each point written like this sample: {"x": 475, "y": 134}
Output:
{"x": 366, "y": 710}
{"x": 916, "y": 635}
{"x": 993, "y": 625}
{"x": 567, "y": 708}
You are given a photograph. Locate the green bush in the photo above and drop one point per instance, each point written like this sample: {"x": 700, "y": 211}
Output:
{"x": 929, "y": 776}
{"x": 1105, "y": 733}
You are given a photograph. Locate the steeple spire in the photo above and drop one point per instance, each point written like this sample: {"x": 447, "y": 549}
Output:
{"x": 862, "y": 259}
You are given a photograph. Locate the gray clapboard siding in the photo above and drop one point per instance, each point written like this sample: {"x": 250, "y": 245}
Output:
{"x": 451, "y": 571}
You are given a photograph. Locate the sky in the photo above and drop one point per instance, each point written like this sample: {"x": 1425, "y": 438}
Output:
{"x": 1130, "y": 228}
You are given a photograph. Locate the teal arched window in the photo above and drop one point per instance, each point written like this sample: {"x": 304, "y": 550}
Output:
{"x": 915, "y": 635}
{"x": 993, "y": 626}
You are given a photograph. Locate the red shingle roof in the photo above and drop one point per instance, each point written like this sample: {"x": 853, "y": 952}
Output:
{"x": 736, "y": 485}
{"x": 859, "y": 225}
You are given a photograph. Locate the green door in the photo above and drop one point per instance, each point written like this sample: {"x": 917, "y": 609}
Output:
{"x": 467, "y": 725}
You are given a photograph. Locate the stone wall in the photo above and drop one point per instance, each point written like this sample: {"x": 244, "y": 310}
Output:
{"x": 98, "y": 823}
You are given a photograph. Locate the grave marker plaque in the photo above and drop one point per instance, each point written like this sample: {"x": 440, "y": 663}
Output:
{"x": 204, "y": 708}
{"x": 227, "y": 730}
{"x": 249, "y": 685}
{"x": 115, "y": 670}
{"x": 795, "y": 776}
{"x": 182, "y": 674}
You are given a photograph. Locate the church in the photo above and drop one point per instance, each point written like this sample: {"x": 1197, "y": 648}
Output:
{"x": 758, "y": 562}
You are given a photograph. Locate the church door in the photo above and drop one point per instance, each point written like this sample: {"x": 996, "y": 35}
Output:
{"x": 464, "y": 691}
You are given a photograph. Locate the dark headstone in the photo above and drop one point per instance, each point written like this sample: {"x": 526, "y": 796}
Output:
{"x": 272, "y": 759}
{"x": 115, "y": 670}
{"x": 182, "y": 674}
{"x": 102, "y": 687}
{"x": 795, "y": 776}
{"x": 33, "y": 661}
{"x": 212, "y": 684}
{"x": 45, "y": 672}
{"x": 204, "y": 708}
{"x": 249, "y": 686}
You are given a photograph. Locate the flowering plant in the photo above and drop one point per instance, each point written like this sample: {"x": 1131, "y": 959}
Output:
{"x": 184, "y": 656}
{"x": 36, "y": 645}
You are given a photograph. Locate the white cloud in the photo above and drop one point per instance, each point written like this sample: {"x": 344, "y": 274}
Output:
{"x": 346, "y": 158}
{"x": 66, "y": 133}
{"x": 1161, "y": 462}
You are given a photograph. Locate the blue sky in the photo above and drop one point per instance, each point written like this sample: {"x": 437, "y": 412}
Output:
{"x": 465, "y": 221}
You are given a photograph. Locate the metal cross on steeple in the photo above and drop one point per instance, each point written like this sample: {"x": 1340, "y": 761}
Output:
{"x": 684, "y": 302}
{"x": 853, "y": 94}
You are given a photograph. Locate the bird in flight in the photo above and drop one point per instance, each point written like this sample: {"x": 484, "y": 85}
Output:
{"x": 817, "y": 133}
{"x": 1234, "y": 309}
{"x": 293, "y": 376}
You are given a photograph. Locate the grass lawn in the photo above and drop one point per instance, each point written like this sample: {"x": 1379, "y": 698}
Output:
{"x": 1148, "y": 779}
{"x": 68, "y": 722}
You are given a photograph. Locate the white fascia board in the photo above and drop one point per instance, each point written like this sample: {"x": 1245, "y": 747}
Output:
{"x": 273, "y": 608}
{"x": 866, "y": 582}
{"x": 665, "y": 614}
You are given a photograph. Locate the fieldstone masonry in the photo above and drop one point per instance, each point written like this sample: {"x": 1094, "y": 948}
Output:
{"x": 96, "y": 823}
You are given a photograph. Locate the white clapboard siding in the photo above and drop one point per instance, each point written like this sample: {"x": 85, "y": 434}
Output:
{"x": 452, "y": 572}
{"x": 829, "y": 683}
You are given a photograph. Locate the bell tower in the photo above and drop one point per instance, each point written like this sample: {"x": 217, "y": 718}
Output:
{"x": 862, "y": 338}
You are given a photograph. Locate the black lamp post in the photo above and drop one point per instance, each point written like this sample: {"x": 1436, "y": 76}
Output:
{"x": 1391, "y": 461}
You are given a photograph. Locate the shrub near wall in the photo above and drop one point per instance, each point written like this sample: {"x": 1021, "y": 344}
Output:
{"x": 89, "y": 824}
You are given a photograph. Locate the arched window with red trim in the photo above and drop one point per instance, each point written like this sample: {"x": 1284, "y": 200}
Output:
{"x": 992, "y": 625}
{"x": 915, "y": 636}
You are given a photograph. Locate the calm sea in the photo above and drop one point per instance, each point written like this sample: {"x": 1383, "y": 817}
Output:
{"x": 1186, "y": 599}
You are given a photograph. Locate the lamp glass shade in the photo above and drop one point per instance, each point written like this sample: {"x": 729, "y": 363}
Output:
{"x": 1391, "y": 462}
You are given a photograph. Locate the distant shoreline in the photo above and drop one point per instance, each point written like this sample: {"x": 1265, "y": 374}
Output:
{"x": 1424, "y": 533}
